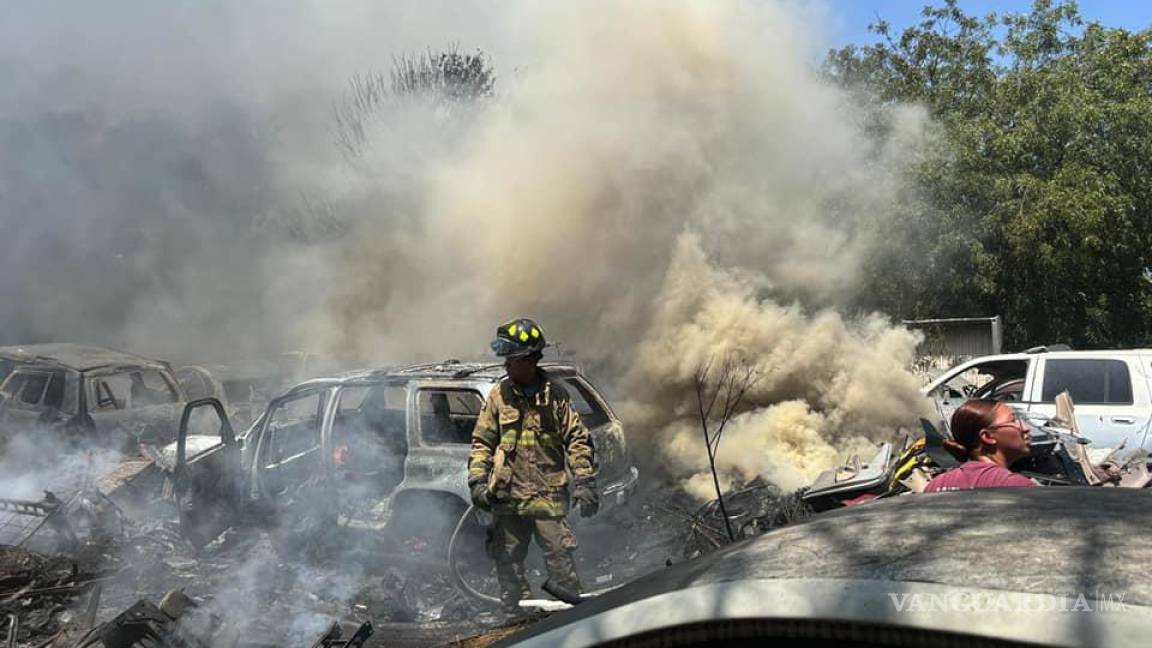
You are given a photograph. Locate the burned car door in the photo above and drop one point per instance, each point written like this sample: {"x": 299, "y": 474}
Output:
{"x": 207, "y": 479}
{"x": 288, "y": 447}
{"x": 369, "y": 442}
{"x": 607, "y": 432}
{"x": 141, "y": 402}
{"x": 445, "y": 417}
{"x": 1002, "y": 379}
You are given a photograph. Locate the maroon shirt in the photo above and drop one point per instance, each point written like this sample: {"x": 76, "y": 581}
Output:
{"x": 977, "y": 474}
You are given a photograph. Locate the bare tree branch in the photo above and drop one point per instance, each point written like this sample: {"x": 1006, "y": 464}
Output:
{"x": 734, "y": 378}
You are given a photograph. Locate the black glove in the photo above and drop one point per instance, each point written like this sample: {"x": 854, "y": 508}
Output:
{"x": 480, "y": 496}
{"x": 586, "y": 497}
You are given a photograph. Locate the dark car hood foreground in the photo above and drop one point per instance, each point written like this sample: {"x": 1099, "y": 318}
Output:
{"x": 1050, "y": 566}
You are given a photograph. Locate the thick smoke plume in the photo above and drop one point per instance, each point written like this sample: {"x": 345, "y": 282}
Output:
{"x": 821, "y": 385}
{"x": 657, "y": 183}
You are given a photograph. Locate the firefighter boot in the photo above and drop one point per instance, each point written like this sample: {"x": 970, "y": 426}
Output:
{"x": 513, "y": 586}
{"x": 562, "y": 581}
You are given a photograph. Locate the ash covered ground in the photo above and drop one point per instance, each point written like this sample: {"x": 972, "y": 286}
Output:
{"x": 264, "y": 587}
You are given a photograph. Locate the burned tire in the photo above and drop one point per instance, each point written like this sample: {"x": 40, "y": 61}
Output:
{"x": 424, "y": 521}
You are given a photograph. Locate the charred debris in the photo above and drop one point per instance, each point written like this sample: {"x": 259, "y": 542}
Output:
{"x": 117, "y": 571}
{"x": 126, "y": 530}
{"x": 145, "y": 584}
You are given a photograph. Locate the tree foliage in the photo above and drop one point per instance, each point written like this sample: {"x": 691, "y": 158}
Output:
{"x": 1037, "y": 202}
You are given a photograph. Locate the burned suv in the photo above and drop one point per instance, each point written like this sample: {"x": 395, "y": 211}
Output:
{"x": 383, "y": 444}
{"x": 96, "y": 393}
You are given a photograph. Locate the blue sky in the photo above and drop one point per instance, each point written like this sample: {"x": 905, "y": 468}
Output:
{"x": 849, "y": 18}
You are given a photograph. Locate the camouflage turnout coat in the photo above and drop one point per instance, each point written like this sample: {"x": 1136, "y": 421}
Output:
{"x": 534, "y": 438}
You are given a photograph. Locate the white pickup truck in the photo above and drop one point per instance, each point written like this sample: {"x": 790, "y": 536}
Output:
{"x": 1112, "y": 390}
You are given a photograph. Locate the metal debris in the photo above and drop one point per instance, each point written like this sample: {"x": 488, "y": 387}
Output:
{"x": 332, "y": 638}
{"x": 753, "y": 508}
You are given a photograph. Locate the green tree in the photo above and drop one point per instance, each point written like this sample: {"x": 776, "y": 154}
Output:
{"x": 1037, "y": 203}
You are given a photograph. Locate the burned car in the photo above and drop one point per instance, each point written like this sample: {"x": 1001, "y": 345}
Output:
{"x": 96, "y": 393}
{"x": 371, "y": 447}
{"x": 245, "y": 386}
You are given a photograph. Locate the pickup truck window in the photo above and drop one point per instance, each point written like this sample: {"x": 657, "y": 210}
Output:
{"x": 448, "y": 415}
{"x": 1089, "y": 381}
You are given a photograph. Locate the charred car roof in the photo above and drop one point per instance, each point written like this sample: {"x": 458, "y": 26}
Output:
{"x": 75, "y": 356}
{"x": 447, "y": 370}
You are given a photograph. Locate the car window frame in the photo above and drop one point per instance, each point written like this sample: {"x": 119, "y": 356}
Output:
{"x": 263, "y": 446}
{"x": 8, "y": 366}
{"x": 980, "y": 368}
{"x": 588, "y": 393}
{"x": 95, "y": 400}
{"x": 419, "y": 417}
{"x": 17, "y": 401}
{"x": 337, "y": 400}
{"x": 1105, "y": 360}
{"x": 94, "y": 379}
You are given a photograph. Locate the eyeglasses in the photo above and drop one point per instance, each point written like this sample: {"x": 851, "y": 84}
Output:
{"x": 1014, "y": 422}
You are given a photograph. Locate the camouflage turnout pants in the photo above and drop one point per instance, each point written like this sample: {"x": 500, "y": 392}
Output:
{"x": 508, "y": 539}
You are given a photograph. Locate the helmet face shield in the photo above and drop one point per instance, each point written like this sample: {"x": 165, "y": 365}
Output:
{"x": 507, "y": 348}
{"x": 518, "y": 338}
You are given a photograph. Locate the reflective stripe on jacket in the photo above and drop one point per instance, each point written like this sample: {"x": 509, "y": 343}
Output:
{"x": 542, "y": 439}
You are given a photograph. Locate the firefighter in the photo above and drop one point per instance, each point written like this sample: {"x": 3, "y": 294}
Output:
{"x": 527, "y": 440}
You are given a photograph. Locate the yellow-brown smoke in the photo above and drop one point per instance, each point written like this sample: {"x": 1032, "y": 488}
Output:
{"x": 645, "y": 187}
{"x": 823, "y": 385}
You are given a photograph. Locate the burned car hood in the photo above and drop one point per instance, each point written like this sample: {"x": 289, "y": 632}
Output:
{"x": 154, "y": 426}
{"x": 1051, "y": 544}
{"x": 165, "y": 456}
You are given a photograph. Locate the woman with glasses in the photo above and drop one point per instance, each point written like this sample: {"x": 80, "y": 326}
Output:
{"x": 988, "y": 437}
